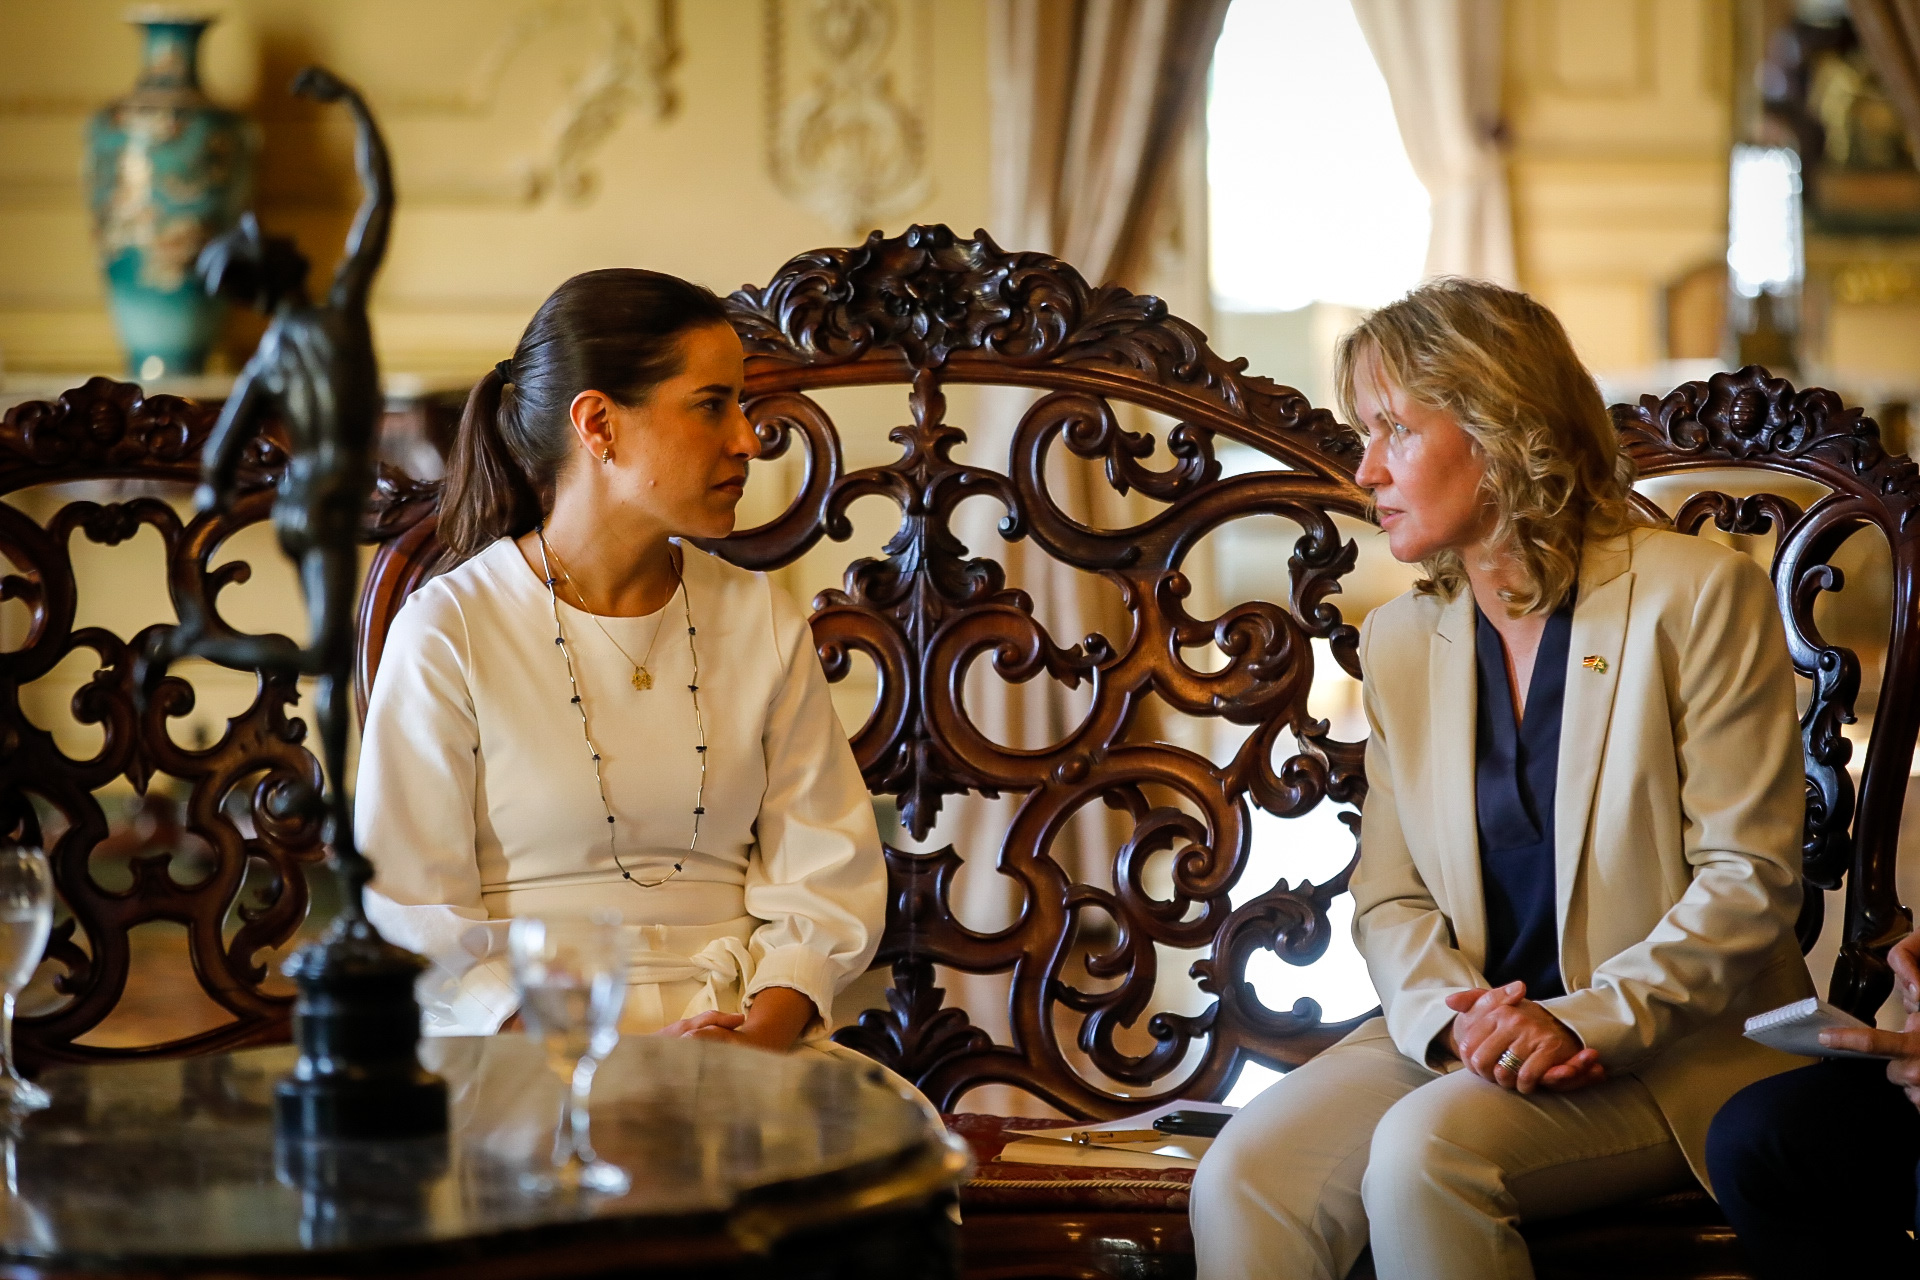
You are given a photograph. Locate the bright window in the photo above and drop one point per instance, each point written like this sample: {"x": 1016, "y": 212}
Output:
{"x": 1763, "y": 217}
{"x": 1313, "y": 199}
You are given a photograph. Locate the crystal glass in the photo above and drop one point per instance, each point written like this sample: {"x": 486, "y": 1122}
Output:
{"x": 26, "y": 915}
{"x": 571, "y": 975}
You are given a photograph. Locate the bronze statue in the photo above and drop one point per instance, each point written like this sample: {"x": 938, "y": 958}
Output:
{"x": 355, "y": 1019}
{"x": 315, "y": 371}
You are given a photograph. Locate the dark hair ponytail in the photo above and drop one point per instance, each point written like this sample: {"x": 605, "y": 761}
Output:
{"x": 615, "y": 331}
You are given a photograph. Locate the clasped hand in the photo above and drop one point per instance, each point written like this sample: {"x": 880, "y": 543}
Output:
{"x": 1489, "y": 1023}
{"x": 1904, "y": 1070}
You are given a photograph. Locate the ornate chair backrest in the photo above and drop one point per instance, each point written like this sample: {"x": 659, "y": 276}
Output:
{"x": 928, "y": 310}
{"x": 238, "y": 785}
{"x": 1760, "y": 425}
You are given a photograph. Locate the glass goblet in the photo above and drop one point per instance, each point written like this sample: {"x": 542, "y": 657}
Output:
{"x": 571, "y": 976}
{"x": 26, "y": 916}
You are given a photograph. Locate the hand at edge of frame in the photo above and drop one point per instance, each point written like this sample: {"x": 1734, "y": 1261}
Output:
{"x": 1904, "y": 1069}
{"x": 1905, "y": 962}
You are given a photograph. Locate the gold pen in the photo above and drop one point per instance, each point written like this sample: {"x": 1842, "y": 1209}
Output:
{"x": 1089, "y": 1137}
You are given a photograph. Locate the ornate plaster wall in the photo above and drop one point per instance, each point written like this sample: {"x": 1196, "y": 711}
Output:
{"x": 532, "y": 139}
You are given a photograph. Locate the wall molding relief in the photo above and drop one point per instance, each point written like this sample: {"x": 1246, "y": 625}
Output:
{"x": 629, "y": 71}
{"x": 850, "y": 146}
{"x": 634, "y": 52}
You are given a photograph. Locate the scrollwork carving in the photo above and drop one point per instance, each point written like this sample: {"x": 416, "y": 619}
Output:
{"x": 981, "y": 314}
{"x": 1751, "y": 420}
{"x": 110, "y": 430}
{"x": 929, "y": 308}
{"x": 106, "y": 430}
{"x": 917, "y": 1033}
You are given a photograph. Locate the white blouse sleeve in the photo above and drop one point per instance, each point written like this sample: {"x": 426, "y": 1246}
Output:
{"x": 816, "y": 876}
{"x": 414, "y": 817}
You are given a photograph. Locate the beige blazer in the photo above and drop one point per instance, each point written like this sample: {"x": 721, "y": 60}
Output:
{"x": 1677, "y": 820}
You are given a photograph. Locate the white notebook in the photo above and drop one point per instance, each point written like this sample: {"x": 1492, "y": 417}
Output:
{"x": 1796, "y": 1028}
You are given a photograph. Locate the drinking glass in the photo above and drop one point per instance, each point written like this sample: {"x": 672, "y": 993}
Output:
{"x": 26, "y": 915}
{"x": 571, "y": 975}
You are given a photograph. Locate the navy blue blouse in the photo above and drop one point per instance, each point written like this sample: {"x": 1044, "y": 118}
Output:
{"x": 1514, "y": 771}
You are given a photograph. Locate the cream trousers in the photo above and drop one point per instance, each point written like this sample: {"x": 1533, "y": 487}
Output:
{"x": 1363, "y": 1145}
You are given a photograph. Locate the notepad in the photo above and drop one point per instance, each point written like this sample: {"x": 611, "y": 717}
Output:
{"x": 1170, "y": 1152}
{"x": 1796, "y": 1028}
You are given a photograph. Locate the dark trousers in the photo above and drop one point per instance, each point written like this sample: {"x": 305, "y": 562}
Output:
{"x": 1815, "y": 1169}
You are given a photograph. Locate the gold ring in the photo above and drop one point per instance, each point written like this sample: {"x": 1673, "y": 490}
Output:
{"x": 1510, "y": 1060}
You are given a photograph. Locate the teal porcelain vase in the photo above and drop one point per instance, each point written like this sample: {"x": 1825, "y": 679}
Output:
{"x": 166, "y": 172}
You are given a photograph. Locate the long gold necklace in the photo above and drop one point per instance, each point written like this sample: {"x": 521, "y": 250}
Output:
{"x": 642, "y": 678}
{"x": 586, "y": 728}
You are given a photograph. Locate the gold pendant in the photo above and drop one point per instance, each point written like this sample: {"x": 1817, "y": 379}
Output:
{"x": 642, "y": 680}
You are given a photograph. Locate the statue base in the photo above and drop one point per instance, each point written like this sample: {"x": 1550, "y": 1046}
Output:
{"x": 357, "y": 1026}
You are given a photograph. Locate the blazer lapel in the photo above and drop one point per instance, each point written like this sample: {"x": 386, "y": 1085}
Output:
{"x": 1593, "y": 673}
{"x": 1451, "y": 683}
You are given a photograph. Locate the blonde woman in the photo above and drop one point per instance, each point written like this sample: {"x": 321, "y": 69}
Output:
{"x": 1580, "y": 861}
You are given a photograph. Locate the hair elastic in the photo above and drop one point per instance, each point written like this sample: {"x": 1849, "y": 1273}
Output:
{"x": 505, "y": 369}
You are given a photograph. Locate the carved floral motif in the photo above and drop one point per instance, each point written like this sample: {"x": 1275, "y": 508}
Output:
{"x": 980, "y": 314}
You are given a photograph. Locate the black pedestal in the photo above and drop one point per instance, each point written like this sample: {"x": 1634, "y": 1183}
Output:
{"x": 357, "y": 1027}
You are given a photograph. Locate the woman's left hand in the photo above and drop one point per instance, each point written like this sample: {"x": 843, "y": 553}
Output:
{"x": 774, "y": 1022}
{"x": 711, "y": 1020}
{"x": 1551, "y": 1056}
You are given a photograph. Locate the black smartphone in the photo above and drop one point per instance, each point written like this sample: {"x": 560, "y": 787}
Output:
{"x": 1192, "y": 1124}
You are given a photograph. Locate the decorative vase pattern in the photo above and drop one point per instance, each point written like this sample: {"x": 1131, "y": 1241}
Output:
{"x": 167, "y": 171}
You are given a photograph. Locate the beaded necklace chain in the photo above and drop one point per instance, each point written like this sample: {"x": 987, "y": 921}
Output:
{"x": 586, "y": 730}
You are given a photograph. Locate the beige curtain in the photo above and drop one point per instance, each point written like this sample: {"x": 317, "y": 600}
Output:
{"x": 1890, "y": 33}
{"x": 1097, "y": 111}
{"x": 1098, "y": 158}
{"x": 1442, "y": 60}
{"x": 1091, "y": 99}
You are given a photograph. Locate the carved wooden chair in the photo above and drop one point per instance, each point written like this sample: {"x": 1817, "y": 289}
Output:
{"x": 237, "y": 786}
{"x": 925, "y": 311}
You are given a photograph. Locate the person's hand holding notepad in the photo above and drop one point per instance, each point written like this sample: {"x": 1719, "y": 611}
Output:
{"x": 1902, "y": 1046}
{"x": 1871, "y": 1042}
{"x": 1803, "y": 1027}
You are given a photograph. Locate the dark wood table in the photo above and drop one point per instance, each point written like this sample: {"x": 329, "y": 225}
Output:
{"x": 743, "y": 1164}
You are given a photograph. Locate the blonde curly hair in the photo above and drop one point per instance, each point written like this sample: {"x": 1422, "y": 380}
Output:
{"x": 1502, "y": 365}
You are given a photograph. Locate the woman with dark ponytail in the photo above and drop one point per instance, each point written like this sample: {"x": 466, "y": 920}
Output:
{"x": 591, "y": 713}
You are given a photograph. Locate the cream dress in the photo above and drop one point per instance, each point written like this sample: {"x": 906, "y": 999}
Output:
{"x": 477, "y": 800}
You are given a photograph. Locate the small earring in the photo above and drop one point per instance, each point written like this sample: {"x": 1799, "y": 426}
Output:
{"x": 608, "y": 455}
